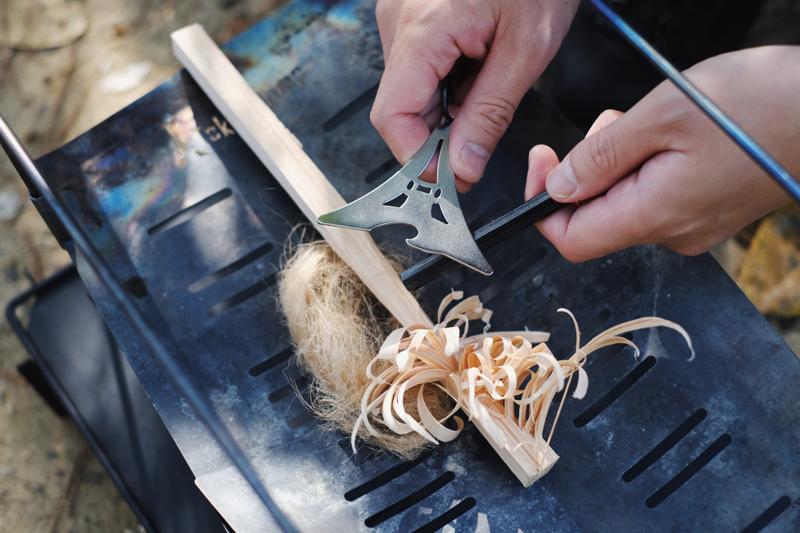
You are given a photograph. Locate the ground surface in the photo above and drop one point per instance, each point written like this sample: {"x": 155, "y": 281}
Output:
{"x": 89, "y": 59}
{"x": 67, "y": 64}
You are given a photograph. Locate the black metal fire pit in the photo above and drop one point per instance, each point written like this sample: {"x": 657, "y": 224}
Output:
{"x": 184, "y": 214}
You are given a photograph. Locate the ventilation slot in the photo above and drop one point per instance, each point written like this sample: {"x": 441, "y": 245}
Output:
{"x": 664, "y": 446}
{"x": 285, "y": 390}
{"x": 383, "y": 478}
{"x": 242, "y": 296}
{"x": 687, "y": 473}
{"x": 271, "y": 362}
{"x": 188, "y": 213}
{"x": 344, "y": 114}
{"x": 136, "y": 287}
{"x": 300, "y": 420}
{"x": 387, "y": 167}
{"x": 618, "y": 390}
{"x": 445, "y": 518}
{"x": 237, "y": 265}
{"x": 410, "y": 500}
{"x": 766, "y": 518}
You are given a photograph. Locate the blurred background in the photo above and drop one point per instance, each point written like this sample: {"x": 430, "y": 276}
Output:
{"x": 65, "y": 65}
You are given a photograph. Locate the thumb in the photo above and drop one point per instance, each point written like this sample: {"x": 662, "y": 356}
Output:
{"x": 608, "y": 153}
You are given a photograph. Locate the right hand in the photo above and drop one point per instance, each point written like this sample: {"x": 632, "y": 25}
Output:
{"x": 664, "y": 173}
{"x": 514, "y": 40}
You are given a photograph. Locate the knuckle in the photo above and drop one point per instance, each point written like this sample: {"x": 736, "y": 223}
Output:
{"x": 607, "y": 115}
{"x": 482, "y": 28}
{"x": 389, "y": 13}
{"x": 672, "y": 114}
{"x": 408, "y": 17}
{"x": 376, "y": 117}
{"x": 493, "y": 115}
{"x": 602, "y": 153}
{"x": 420, "y": 13}
{"x": 531, "y": 41}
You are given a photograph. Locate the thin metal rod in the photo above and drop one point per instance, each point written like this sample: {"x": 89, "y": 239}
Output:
{"x": 177, "y": 375}
{"x": 725, "y": 123}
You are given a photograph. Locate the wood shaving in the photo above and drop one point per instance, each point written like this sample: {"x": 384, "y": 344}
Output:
{"x": 413, "y": 392}
{"x": 337, "y": 327}
{"x": 499, "y": 380}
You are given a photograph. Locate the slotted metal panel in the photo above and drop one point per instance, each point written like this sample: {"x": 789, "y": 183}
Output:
{"x": 183, "y": 211}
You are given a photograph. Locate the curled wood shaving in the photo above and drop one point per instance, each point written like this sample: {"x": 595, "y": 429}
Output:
{"x": 337, "y": 327}
{"x": 508, "y": 377}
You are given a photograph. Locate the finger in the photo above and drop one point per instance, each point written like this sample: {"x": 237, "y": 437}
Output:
{"x": 604, "y": 119}
{"x": 541, "y": 160}
{"x": 618, "y": 145}
{"x": 407, "y": 89}
{"x": 490, "y": 104}
{"x": 387, "y": 15}
{"x": 420, "y": 56}
{"x": 462, "y": 186}
{"x": 606, "y": 224}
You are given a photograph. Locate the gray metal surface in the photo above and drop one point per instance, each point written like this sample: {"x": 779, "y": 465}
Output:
{"x": 430, "y": 208}
{"x": 181, "y": 209}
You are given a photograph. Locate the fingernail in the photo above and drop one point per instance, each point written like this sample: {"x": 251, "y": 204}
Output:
{"x": 472, "y": 160}
{"x": 561, "y": 182}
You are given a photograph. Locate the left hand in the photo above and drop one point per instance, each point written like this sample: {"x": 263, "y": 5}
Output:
{"x": 664, "y": 173}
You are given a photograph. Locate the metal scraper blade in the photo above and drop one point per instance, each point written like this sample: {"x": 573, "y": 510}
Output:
{"x": 431, "y": 208}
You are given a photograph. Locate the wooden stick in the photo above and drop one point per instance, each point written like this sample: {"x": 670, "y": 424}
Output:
{"x": 528, "y": 457}
{"x": 281, "y": 152}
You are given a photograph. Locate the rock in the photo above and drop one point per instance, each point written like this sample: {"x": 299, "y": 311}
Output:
{"x": 10, "y": 204}
{"x": 125, "y": 78}
{"x": 41, "y": 24}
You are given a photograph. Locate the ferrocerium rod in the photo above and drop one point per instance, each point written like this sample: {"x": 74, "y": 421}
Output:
{"x": 498, "y": 230}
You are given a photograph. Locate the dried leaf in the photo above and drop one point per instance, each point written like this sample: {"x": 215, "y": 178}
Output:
{"x": 770, "y": 272}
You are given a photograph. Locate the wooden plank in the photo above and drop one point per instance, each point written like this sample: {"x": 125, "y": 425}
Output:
{"x": 281, "y": 152}
{"x": 529, "y": 458}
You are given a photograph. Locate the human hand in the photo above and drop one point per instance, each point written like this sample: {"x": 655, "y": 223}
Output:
{"x": 422, "y": 40}
{"x": 664, "y": 173}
